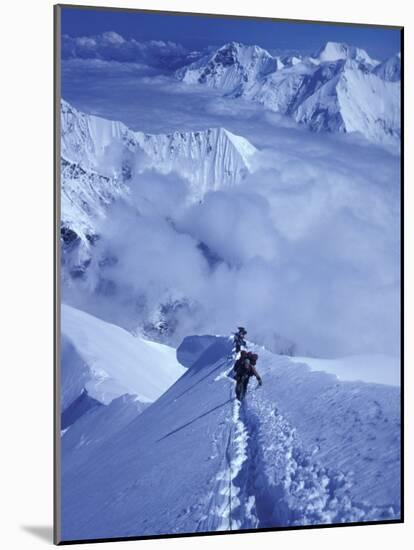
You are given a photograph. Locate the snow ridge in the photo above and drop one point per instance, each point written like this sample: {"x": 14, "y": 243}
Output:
{"x": 208, "y": 159}
{"x": 264, "y": 463}
{"x": 226, "y": 504}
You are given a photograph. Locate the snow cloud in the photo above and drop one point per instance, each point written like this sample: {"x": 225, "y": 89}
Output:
{"x": 308, "y": 251}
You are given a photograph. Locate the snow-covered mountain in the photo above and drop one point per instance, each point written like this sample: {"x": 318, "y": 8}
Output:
{"x": 230, "y": 66}
{"x": 101, "y": 159}
{"x": 211, "y": 159}
{"x": 355, "y": 101}
{"x": 340, "y": 89}
{"x": 303, "y": 449}
{"x": 208, "y": 159}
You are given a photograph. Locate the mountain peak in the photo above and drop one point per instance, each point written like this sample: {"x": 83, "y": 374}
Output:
{"x": 230, "y": 67}
{"x": 335, "y": 51}
{"x": 240, "y": 46}
{"x": 233, "y": 52}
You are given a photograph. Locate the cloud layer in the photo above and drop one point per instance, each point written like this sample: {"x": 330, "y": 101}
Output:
{"x": 112, "y": 47}
{"x": 308, "y": 247}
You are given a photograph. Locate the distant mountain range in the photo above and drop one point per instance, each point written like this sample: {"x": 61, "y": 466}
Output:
{"x": 339, "y": 89}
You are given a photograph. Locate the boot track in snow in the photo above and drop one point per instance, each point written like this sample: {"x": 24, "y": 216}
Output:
{"x": 263, "y": 485}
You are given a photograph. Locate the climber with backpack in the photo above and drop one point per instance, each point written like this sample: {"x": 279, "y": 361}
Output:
{"x": 244, "y": 369}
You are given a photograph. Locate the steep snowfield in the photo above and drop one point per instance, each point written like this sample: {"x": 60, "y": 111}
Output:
{"x": 210, "y": 160}
{"x": 370, "y": 105}
{"x": 340, "y": 89}
{"x": 355, "y": 101}
{"x": 321, "y": 110}
{"x": 305, "y": 448}
{"x": 85, "y": 139}
{"x": 109, "y": 362}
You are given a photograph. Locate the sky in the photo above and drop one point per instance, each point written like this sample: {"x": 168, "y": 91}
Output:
{"x": 197, "y": 32}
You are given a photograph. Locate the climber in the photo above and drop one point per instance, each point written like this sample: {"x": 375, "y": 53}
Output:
{"x": 238, "y": 339}
{"x": 244, "y": 369}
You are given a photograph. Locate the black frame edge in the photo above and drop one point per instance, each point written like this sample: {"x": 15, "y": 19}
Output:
{"x": 238, "y": 532}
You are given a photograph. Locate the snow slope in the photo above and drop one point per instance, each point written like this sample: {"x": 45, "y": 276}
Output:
{"x": 109, "y": 362}
{"x": 369, "y": 105}
{"x": 305, "y": 448}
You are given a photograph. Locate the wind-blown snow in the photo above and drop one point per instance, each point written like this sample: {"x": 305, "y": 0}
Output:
{"x": 304, "y": 449}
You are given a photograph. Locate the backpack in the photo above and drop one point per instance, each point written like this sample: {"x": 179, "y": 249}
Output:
{"x": 243, "y": 368}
